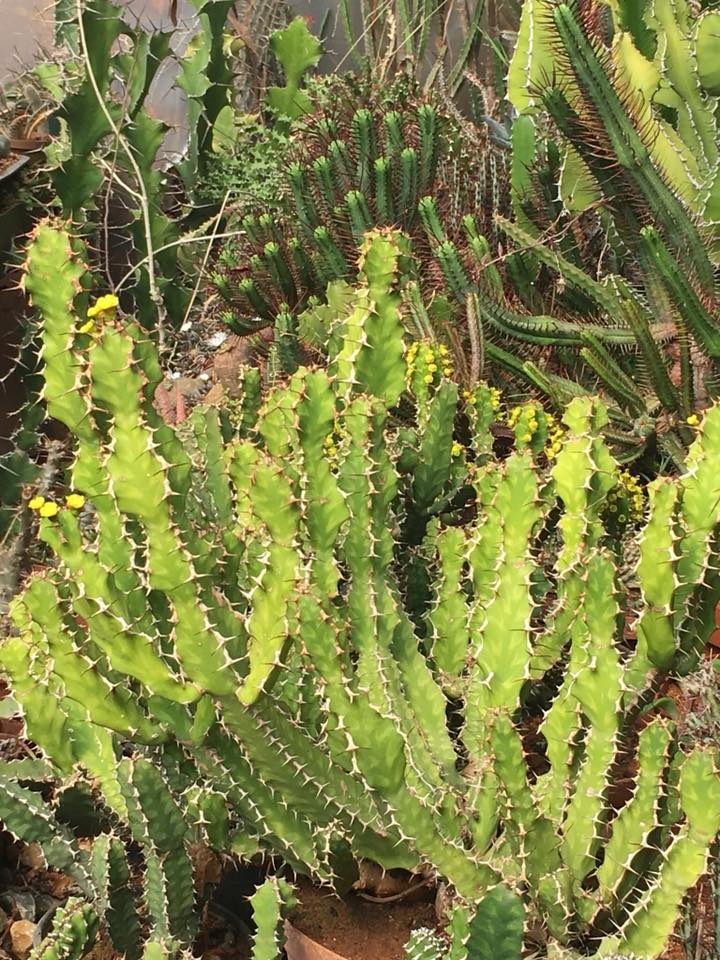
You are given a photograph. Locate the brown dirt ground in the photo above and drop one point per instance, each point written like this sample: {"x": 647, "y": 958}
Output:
{"x": 357, "y": 929}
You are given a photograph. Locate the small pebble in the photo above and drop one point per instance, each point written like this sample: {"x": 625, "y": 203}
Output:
{"x": 217, "y": 339}
{"x": 21, "y": 938}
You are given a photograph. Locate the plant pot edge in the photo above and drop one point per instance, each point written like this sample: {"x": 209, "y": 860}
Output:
{"x": 298, "y": 946}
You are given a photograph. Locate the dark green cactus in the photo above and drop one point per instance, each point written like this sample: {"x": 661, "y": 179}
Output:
{"x": 355, "y": 169}
{"x": 655, "y": 174}
{"x": 276, "y": 654}
{"x": 492, "y": 929}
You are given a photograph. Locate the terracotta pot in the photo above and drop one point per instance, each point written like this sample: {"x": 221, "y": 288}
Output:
{"x": 300, "y": 947}
{"x": 31, "y": 145}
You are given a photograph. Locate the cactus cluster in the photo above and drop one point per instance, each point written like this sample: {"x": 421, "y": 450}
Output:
{"x": 330, "y": 654}
{"x": 640, "y": 168}
{"x": 620, "y": 298}
{"x": 373, "y": 158}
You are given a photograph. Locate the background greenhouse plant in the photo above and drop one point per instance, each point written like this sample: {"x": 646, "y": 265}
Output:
{"x": 207, "y": 589}
{"x": 620, "y": 296}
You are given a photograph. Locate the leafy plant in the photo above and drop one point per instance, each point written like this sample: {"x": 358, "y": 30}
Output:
{"x": 110, "y": 142}
{"x": 297, "y": 50}
{"x": 249, "y": 168}
{"x": 247, "y": 621}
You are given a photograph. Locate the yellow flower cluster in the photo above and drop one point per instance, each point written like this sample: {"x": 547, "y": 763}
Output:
{"x": 693, "y": 420}
{"x": 473, "y": 397}
{"x": 103, "y": 306}
{"x": 630, "y": 490}
{"x": 525, "y": 416}
{"x": 627, "y": 500}
{"x": 330, "y": 445}
{"x": 427, "y": 359}
{"x": 456, "y": 449}
{"x": 49, "y": 508}
{"x": 556, "y": 432}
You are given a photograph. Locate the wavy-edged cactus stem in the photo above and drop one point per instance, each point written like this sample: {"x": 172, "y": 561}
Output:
{"x": 307, "y": 692}
{"x": 75, "y": 928}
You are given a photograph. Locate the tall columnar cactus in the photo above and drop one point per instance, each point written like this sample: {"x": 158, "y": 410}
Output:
{"x": 252, "y": 616}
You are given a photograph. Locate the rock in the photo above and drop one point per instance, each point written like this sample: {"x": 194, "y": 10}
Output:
{"x": 21, "y": 938}
{"x": 18, "y": 903}
{"x": 228, "y": 362}
{"x": 31, "y": 856}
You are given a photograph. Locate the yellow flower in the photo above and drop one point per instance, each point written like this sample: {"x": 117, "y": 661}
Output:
{"x": 527, "y": 438}
{"x": 103, "y": 304}
{"x": 76, "y": 501}
{"x": 428, "y": 378}
{"x": 693, "y": 420}
{"x": 36, "y": 502}
{"x": 48, "y": 509}
{"x": 456, "y": 449}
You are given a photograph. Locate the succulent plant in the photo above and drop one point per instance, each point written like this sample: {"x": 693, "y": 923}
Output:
{"x": 241, "y": 626}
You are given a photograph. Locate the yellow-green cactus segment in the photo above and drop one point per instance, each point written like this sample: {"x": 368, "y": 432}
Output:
{"x": 632, "y": 826}
{"x": 25, "y": 661}
{"x": 273, "y": 502}
{"x": 141, "y": 486}
{"x": 448, "y": 617}
{"x": 700, "y": 517}
{"x": 583, "y": 473}
{"x": 322, "y": 502}
{"x": 502, "y": 644}
{"x": 380, "y": 364}
{"x": 653, "y": 919}
{"x": 95, "y": 599}
{"x": 54, "y": 274}
{"x": 109, "y": 706}
{"x": 595, "y": 675}
{"x": 532, "y": 839}
{"x": 657, "y": 574}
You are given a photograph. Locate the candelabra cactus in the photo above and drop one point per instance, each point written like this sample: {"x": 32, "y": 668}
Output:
{"x": 244, "y": 619}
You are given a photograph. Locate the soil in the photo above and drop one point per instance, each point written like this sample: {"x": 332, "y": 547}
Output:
{"x": 9, "y": 160}
{"x": 358, "y": 929}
